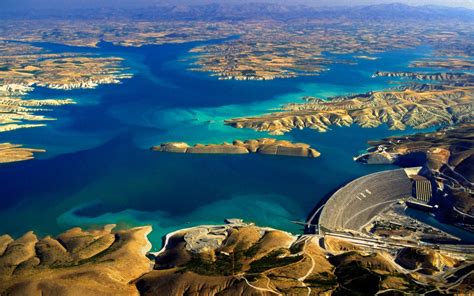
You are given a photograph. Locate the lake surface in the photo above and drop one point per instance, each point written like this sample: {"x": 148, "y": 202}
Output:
{"x": 99, "y": 169}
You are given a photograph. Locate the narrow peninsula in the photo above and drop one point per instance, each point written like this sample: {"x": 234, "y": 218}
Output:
{"x": 446, "y": 101}
{"x": 13, "y": 153}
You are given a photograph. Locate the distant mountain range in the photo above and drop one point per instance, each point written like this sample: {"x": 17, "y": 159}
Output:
{"x": 235, "y": 12}
{"x": 397, "y": 11}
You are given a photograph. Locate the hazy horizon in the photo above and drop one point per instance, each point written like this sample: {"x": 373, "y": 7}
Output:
{"x": 35, "y": 4}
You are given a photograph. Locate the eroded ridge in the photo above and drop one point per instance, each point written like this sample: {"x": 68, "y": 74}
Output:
{"x": 238, "y": 258}
{"x": 449, "y": 63}
{"x": 16, "y": 113}
{"x": 396, "y": 109}
{"x": 419, "y": 106}
{"x": 98, "y": 262}
{"x": 466, "y": 79}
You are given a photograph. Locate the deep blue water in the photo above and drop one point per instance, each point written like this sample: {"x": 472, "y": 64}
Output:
{"x": 466, "y": 236}
{"x": 99, "y": 169}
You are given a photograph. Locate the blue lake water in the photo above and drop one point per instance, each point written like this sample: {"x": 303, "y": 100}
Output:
{"x": 99, "y": 169}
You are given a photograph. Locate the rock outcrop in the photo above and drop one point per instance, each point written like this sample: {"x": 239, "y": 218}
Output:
{"x": 447, "y": 146}
{"x": 261, "y": 146}
{"x": 429, "y": 261}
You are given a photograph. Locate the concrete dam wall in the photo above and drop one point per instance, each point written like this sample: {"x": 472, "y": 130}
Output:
{"x": 354, "y": 205}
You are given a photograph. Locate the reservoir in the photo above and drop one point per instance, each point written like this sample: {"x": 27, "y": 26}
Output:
{"x": 99, "y": 169}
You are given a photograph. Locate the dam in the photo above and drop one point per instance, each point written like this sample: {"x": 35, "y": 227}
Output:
{"x": 355, "y": 204}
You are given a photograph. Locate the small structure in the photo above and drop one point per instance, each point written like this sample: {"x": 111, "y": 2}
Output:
{"x": 420, "y": 205}
{"x": 423, "y": 190}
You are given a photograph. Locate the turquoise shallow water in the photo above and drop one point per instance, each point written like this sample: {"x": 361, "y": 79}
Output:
{"x": 99, "y": 169}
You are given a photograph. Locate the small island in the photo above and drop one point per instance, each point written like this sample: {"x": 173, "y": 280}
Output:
{"x": 262, "y": 146}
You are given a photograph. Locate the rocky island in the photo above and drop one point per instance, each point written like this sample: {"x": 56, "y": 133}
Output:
{"x": 261, "y": 146}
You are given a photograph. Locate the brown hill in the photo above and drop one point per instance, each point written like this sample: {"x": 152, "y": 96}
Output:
{"x": 77, "y": 262}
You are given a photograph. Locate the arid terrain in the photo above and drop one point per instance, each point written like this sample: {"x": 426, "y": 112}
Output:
{"x": 24, "y": 67}
{"x": 417, "y": 106}
{"x": 241, "y": 258}
{"x": 258, "y": 44}
{"x": 235, "y": 258}
{"x": 93, "y": 262}
{"x": 11, "y": 153}
{"x": 420, "y": 60}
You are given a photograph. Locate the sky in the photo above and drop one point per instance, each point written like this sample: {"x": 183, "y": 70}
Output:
{"x": 5, "y": 4}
